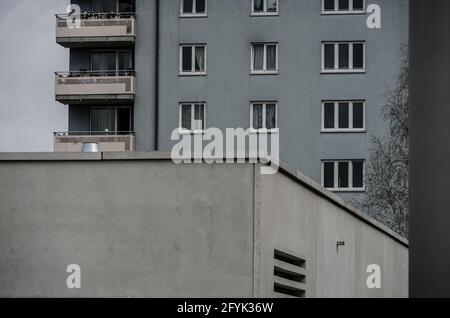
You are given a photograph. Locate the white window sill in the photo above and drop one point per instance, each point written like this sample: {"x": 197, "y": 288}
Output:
{"x": 349, "y": 190}
{"x": 353, "y": 71}
{"x": 264, "y": 14}
{"x": 343, "y": 131}
{"x": 190, "y": 132}
{"x": 264, "y": 73}
{"x": 193, "y": 15}
{"x": 192, "y": 73}
{"x": 264, "y": 131}
{"x": 358, "y": 12}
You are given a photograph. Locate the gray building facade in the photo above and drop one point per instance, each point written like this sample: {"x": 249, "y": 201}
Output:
{"x": 230, "y": 64}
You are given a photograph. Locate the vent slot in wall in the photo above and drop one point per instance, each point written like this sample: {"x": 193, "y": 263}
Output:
{"x": 289, "y": 274}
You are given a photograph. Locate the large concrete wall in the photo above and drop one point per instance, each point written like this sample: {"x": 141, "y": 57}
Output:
{"x": 136, "y": 228}
{"x": 307, "y": 222}
{"x": 138, "y": 225}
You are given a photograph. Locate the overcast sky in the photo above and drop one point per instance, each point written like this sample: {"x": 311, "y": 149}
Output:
{"x": 29, "y": 56}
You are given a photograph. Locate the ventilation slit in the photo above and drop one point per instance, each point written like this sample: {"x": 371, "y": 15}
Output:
{"x": 289, "y": 274}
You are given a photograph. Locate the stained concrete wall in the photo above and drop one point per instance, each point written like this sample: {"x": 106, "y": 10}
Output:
{"x": 138, "y": 225}
{"x": 135, "y": 228}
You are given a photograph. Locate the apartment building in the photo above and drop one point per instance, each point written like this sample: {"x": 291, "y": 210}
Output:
{"x": 309, "y": 70}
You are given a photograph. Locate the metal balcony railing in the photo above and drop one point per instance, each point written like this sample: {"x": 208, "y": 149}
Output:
{"x": 91, "y": 15}
{"x": 82, "y": 74}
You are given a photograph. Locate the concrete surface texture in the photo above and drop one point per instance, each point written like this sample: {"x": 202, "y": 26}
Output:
{"x": 140, "y": 226}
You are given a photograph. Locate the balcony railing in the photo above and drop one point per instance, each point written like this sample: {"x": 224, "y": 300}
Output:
{"x": 94, "y": 86}
{"x": 92, "y": 29}
{"x": 108, "y": 141}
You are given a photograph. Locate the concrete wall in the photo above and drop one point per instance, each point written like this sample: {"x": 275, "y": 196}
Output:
{"x": 136, "y": 228}
{"x": 304, "y": 222}
{"x": 138, "y": 225}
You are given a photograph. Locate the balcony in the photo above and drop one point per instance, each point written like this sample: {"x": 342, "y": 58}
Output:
{"x": 108, "y": 141}
{"x": 96, "y": 29}
{"x": 94, "y": 87}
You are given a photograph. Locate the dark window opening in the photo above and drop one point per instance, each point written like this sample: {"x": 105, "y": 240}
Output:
{"x": 328, "y": 175}
{"x": 358, "y": 55}
{"x": 186, "y": 117}
{"x": 343, "y": 170}
{"x": 329, "y": 56}
{"x": 258, "y": 5}
{"x": 187, "y": 59}
{"x": 200, "y": 6}
{"x": 329, "y": 5}
{"x": 188, "y": 6}
{"x": 344, "y": 5}
{"x": 127, "y": 6}
{"x": 358, "y": 115}
{"x": 343, "y": 56}
{"x": 344, "y": 115}
{"x": 358, "y": 174}
{"x": 358, "y": 5}
{"x": 329, "y": 116}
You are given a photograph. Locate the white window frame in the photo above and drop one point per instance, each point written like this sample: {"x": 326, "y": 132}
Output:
{"x": 350, "y": 57}
{"x": 336, "y": 10}
{"x": 194, "y": 14}
{"x": 264, "y": 12}
{"x": 350, "y": 175}
{"x": 183, "y": 131}
{"x": 336, "y": 128}
{"x": 264, "y": 130}
{"x": 264, "y": 71}
{"x": 193, "y": 72}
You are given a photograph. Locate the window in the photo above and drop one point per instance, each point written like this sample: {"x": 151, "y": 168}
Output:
{"x": 343, "y": 175}
{"x": 112, "y": 120}
{"x": 264, "y": 58}
{"x": 264, "y": 7}
{"x": 343, "y": 57}
{"x": 191, "y": 8}
{"x": 343, "y": 7}
{"x": 343, "y": 116}
{"x": 193, "y": 59}
{"x": 110, "y": 61}
{"x": 263, "y": 117}
{"x": 108, "y": 6}
{"x": 192, "y": 117}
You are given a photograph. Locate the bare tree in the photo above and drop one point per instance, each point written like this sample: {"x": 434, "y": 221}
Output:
{"x": 386, "y": 199}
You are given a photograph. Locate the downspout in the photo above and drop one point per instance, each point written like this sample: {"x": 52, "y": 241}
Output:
{"x": 156, "y": 120}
